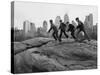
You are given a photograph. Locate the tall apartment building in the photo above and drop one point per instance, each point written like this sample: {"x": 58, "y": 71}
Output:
{"x": 26, "y": 26}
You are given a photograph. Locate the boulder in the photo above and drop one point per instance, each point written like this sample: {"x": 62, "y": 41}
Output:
{"x": 30, "y": 61}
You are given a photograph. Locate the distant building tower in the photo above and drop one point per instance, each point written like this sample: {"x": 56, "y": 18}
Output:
{"x": 57, "y": 21}
{"x": 45, "y": 26}
{"x": 66, "y": 18}
{"x": 26, "y": 26}
{"x": 86, "y": 21}
{"x": 88, "y": 24}
{"x": 32, "y": 27}
{"x": 89, "y": 21}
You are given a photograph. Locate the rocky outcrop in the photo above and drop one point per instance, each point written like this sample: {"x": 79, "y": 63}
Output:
{"x": 45, "y": 55}
{"x": 36, "y": 42}
{"x": 18, "y": 47}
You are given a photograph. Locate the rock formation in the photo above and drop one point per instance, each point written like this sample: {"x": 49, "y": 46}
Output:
{"x": 45, "y": 55}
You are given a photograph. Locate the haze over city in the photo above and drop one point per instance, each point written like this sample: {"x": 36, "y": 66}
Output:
{"x": 38, "y": 12}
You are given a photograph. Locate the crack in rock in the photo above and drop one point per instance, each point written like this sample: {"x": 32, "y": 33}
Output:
{"x": 29, "y": 47}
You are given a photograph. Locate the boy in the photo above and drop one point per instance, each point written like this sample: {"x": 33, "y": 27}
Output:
{"x": 62, "y": 30}
{"x": 55, "y": 31}
{"x": 80, "y": 28}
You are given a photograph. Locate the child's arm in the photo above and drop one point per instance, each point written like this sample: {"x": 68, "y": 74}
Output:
{"x": 49, "y": 29}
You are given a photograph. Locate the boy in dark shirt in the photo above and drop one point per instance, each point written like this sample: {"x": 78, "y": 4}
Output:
{"x": 80, "y": 28}
{"x": 55, "y": 31}
{"x": 71, "y": 28}
{"x": 62, "y": 30}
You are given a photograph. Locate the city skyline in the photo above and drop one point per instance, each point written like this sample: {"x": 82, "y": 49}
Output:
{"x": 38, "y": 12}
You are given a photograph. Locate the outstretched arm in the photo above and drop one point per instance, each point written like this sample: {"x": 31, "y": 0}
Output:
{"x": 49, "y": 29}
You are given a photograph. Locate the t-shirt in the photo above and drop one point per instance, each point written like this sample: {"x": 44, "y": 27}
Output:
{"x": 62, "y": 26}
{"x": 80, "y": 25}
{"x": 71, "y": 27}
{"x": 54, "y": 28}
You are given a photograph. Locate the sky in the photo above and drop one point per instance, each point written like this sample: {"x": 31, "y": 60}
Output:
{"x": 38, "y": 12}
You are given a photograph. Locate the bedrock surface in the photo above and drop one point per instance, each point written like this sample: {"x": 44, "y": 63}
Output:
{"x": 45, "y": 55}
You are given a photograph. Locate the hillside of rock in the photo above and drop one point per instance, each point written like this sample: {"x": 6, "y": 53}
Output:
{"x": 45, "y": 55}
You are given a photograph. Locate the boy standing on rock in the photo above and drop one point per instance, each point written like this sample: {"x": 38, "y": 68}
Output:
{"x": 71, "y": 28}
{"x": 55, "y": 31}
{"x": 62, "y": 30}
{"x": 80, "y": 28}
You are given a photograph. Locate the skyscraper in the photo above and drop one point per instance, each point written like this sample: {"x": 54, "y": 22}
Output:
{"x": 57, "y": 21}
{"x": 88, "y": 24}
{"x": 45, "y": 26}
{"x": 32, "y": 27}
{"x": 66, "y": 18}
{"x": 26, "y": 26}
{"x": 89, "y": 21}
